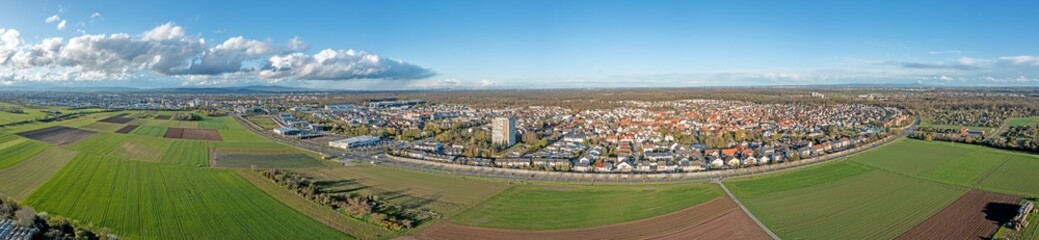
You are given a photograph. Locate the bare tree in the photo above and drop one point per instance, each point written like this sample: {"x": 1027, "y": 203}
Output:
{"x": 25, "y": 217}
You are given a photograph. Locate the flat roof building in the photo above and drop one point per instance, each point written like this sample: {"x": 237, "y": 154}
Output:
{"x": 503, "y": 131}
{"x": 353, "y": 142}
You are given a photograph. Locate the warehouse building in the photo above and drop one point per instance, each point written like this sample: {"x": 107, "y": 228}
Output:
{"x": 353, "y": 142}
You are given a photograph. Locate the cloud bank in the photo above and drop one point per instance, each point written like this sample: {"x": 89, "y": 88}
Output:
{"x": 168, "y": 50}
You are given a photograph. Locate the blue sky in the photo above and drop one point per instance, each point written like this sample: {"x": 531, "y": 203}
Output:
{"x": 518, "y": 44}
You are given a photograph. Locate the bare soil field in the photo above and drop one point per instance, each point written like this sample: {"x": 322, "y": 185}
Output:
{"x": 126, "y": 129}
{"x": 58, "y": 135}
{"x": 975, "y": 215}
{"x": 120, "y": 119}
{"x": 194, "y": 134}
{"x": 163, "y": 117}
{"x": 717, "y": 219}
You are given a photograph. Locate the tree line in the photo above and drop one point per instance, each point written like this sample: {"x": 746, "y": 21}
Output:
{"x": 362, "y": 206}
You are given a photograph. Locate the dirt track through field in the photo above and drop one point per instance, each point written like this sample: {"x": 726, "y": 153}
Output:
{"x": 163, "y": 117}
{"x": 126, "y": 129}
{"x": 720, "y": 218}
{"x": 976, "y": 215}
{"x": 58, "y": 135}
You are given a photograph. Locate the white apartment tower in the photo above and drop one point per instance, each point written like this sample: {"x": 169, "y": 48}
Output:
{"x": 503, "y": 131}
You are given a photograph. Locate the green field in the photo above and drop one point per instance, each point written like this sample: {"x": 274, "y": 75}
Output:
{"x": 103, "y": 126}
{"x": 1019, "y": 174}
{"x": 1025, "y": 121}
{"x": 221, "y": 123}
{"x": 186, "y": 153}
{"x": 152, "y": 201}
{"x": 165, "y": 123}
{"x": 24, "y": 177}
{"x": 241, "y": 135}
{"x": 149, "y": 131}
{"x": 141, "y": 148}
{"x": 563, "y": 207}
{"x": 958, "y": 164}
{"x": 28, "y": 114}
{"x": 15, "y": 153}
{"x": 857, "y": 202}
{"x": 252, "y": 148}
{"x": 323, "y": 214}
{"x": 266, "y": 160}
{"x": 101, "y": 143}
{"x": 442, "y": 193}
{"x": 263, "y": 121}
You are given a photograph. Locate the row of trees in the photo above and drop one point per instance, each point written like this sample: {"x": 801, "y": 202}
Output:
{"x": 50, "y": 227}
{"x": 364, "y": 206}
{"x": 186, "y": 117}
{"x": 11, "y": 109}
{"x": 1024, "y": 138}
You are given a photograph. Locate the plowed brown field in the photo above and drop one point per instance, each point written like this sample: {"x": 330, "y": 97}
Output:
{"x": 976, "y": 215}
{"x": 126, "y": 129}
{"x": 193, "y": 133}
{"x": 717, "y": 219}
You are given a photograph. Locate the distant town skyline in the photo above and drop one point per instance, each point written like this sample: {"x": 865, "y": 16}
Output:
{"x": 389, "y": 45}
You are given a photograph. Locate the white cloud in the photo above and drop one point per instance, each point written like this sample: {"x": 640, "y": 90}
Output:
{"x": 167, "y": 50}
{"x": 95, "y": 15}
{"x": 53, "y": 19}
{"x": 1022, "y": 60}
{"x": 10, "y": 42}
{"x": 61, "y": 25}
{"x": 332, "y": 64}
{"x": 953, "y": 52}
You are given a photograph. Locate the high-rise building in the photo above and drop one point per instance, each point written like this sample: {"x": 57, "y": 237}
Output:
{"x": 503, "y": 131}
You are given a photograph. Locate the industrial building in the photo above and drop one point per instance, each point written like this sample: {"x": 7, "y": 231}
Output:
{"x": 353, "y": 142}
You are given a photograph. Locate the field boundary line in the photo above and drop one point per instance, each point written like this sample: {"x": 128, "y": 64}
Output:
{"x": 745, "y": 210}
{"x": 991, "y": 171}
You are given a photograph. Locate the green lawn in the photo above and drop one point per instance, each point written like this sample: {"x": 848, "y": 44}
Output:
{"x": 857, "y": 202}
{"x": 1025, "y": 121}
{"x": 156, "y": 201}
{"x": 16, "y": 153}
{"x": 562, "y": 207}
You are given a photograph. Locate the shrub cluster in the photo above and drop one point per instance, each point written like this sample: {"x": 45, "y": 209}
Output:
{"x": 364, "y": 207}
